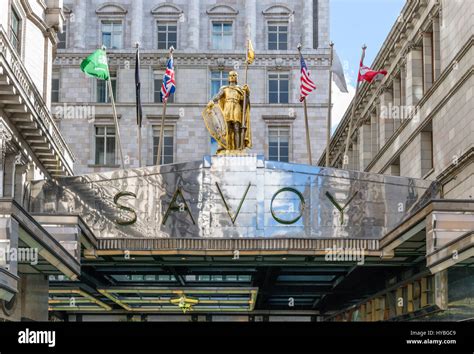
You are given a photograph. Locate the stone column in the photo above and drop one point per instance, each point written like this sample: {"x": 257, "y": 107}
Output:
{"x": 323, "y": 22}
{"x": 396, "y": 89}
{"x": 307, "y": 24}
{"x": 386, "y": 116}
{"x": 365, "y": 145}
{"x": 427, "y": 61}
{"x": 5, "y": 138}
{"x": 79, "y": 24}
{"x": 374, "y": 127}
{"x": 354, "y": 157}
{"x": 403, "y": 90}
{"x": 251, "y": 20}
{"x": 414, "y": 80}
{"x": 137, "y": 22}
{"x": 436, "y": 48}
{"x": 193, "y": 21}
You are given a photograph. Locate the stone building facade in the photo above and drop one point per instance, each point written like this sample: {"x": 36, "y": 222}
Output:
{"x": 31, "y": 148}
{"x": 418, "y": 121}
{"x": 209, "y": 38}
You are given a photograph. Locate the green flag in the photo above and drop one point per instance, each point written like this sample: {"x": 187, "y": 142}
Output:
{"x": 95, "y": 65}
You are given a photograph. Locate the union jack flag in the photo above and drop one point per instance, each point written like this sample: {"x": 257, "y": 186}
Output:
{"x": 169, "y": 86}
{"x": 307, "y": 85}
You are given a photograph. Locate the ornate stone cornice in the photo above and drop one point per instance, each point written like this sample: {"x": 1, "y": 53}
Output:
{"x": 196, "y": 59}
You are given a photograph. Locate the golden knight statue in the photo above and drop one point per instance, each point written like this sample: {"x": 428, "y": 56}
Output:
{"x": 227, "y": 117}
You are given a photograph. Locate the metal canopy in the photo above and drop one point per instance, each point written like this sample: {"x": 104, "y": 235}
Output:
{"x": 234, "y": 197}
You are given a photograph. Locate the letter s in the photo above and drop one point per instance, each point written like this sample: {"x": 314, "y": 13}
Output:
{"x": 125, "y": 208}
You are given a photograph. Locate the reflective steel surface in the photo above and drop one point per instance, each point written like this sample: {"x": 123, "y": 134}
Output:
{"x": 283, "y": 200}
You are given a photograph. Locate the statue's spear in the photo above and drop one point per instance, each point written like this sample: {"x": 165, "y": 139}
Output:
{"x": 249, "y": 60}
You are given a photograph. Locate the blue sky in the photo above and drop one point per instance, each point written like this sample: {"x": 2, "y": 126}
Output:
{"x": 353, "y": 23}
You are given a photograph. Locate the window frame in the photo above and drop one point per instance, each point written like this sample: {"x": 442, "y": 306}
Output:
{"x": 279, "y": 128}
{"x": 58, "y": 91}
{"x": 114, "y": 80}
{"x": 112, "y": 21}
{"x": 222, "y": 80}
{"x": 232, "y": 34}
{"x": 167, "y": 23}
{"x": 15, "y": 14}
{"x": 156, "y": 128}
{"x": 278, "y": 24}
{"x": 105, "y": 136}
{"x": 279, "y": 73}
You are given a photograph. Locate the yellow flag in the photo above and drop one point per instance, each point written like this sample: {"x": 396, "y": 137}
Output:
{"x": 250, "y": 53}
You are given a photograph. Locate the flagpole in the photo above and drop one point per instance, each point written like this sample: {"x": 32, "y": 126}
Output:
{"x": 244, "y": 113}
{"x": 306, "y": 122}
{"x": 162, "y": 130}
{"x": 345, "y": 158}
{"x": 329, "y": 123}
{"x": 114, "y": 109}
{"x": 139, "y": 118}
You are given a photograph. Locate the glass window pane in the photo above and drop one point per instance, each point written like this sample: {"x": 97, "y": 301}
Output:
{"x": 106, "y": 39}
{"x": 273, "y": 86}
{"x": 284, "y": 85}
{"x": 117, "y": 41}
{"x": 272, "y": 46}
{"x": 273, "y": 97}
{"x": 284, "y": 97}
{"x": 106, "y": 27}
{"x": 99, "y": 150}
{"x": 55, "y": 84}
{"x": 110, "y": 151}
{"x": 162, "y": 37}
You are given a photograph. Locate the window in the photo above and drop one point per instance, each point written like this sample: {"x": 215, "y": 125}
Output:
{"x": 167, "y": 149}
{"x": 157, "y": 83}
{"x": 112, "y": 34}
{"x": 277, "y": 36}
{"x": 426, "y": 150}
{"x": 62, "y": 37}
{"x": 167, "y": 35}
{"x": 105, "y": 145}
{"x": 103, "y": 89}
{"x": 221, "y": 35}
{"x": 218, "y": 79}
{"x": 55, "y": 90}
{"x": 279, "y": 144}
{"x": 278, "y": 88}
{"x": 15, "y": 28}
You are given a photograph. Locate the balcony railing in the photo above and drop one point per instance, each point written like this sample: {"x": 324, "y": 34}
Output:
{"x": 31, "y": 97}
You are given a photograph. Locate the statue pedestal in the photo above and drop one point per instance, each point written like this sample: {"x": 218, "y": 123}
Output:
{"x": 238, "y": 160}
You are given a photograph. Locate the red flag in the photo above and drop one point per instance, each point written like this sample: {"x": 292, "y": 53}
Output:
{"x": 369, "y": 75}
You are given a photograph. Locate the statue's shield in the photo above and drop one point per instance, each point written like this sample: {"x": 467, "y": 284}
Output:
{"x": 216, "y": 125}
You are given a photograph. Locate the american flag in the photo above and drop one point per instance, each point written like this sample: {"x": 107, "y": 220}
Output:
{"x": 168, "y": 87}
{"x": 307, "y": 85}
